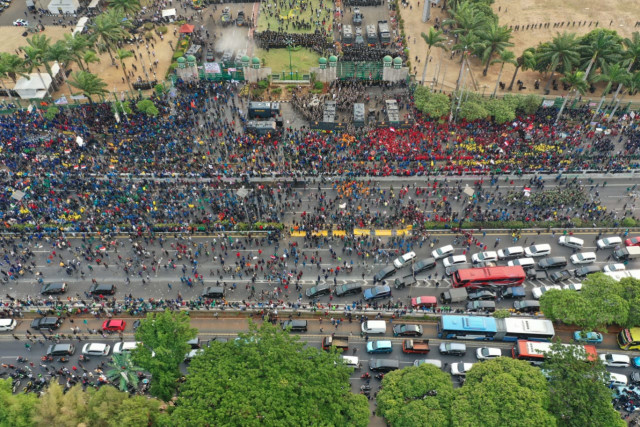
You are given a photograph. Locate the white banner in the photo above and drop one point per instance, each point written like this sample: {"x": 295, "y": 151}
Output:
{"x": 548, "y": 103}
{"x": 62, "y": 101}
{"x": 212, "y": 68}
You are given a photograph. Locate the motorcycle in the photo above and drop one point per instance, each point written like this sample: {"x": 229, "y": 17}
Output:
{"x": 22, "y": 359}
{"x": 83, "y": 358}
{"x": 365, "y": 376}
{"x": 379, "y": 377}
{"x": 63, "y": 360}
{"x": 47, "y": 358}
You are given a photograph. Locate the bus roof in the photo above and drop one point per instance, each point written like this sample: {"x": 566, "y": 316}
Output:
{"x": 634, "y": 274}
{"x": 537, "y": 349}
{"x": 469, "y": 323}
{"x": 514, "y": 325}
{"x": 470, "y": 274}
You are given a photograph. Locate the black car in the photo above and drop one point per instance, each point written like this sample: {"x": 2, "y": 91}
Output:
{"x": 407, "y": 330}
{"x": 295, "y": 325}
{"x": 53, "y": 288}
{"x": 482, "y": 294}
{"x": 48, "y": 323}
{"x": 384, "y": 273}
{"x": 348, "y": 289}
{"x": 552, "y": 262}
{"x": 526, "y": 306}
{"x": 213, "y": 292}
{"x": 383, "y": 365}
{"x": 586, "y": 270}
{"x": 489, "y": 306}
{"x": 240, "y": 19}
{"x": 560, "y": 276}
{"x": 102, "y": 289}
{"x": 319, "y": 290}
{"x": 423, "y": 265}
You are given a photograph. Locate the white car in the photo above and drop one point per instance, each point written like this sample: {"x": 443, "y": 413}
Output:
{"x": 610, "y": 268}
{"x": 571, "y": 242}
{"x": 461, "y": 368}
{"x": 401, "y": 261}
{"x": 572, "y": 287}
{"x": 454, "y": 260}
{"x": 538, "y": 292}
{"x": 609, "y": 242}
{"x": 487, "y": 256}
{"x": 618, "y": 380}
{"x": 537, "y": 250}
{"x": 442, "y": 252}
{"x": 96, "y": 349}
{"x": 522, "y": 262}
{"x": 120, "y": 347}
{"x": 486, "y": 353}
{"x": 615, "y": 360}
{"x": 21, "y": 23}
{"x": 510, "y": 253}
{"x": 583, "y": 258}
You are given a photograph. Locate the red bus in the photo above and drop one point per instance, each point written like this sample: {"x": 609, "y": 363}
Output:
{"x": 489, "y": 276}
{"x": 533, "y": 351}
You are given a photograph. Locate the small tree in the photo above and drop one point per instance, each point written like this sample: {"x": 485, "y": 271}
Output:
{"x": 146, "y": 106}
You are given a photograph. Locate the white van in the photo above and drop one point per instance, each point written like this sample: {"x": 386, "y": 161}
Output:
{"x": 374, "y": 327}
{"x": 522, "y": 262}
{"x": 7, "y": 325}
{"x": 351, "y": 361}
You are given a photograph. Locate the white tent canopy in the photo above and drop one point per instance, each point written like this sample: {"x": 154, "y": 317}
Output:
{"x": 168, "y": 13}
{"x": 31, "y": 87}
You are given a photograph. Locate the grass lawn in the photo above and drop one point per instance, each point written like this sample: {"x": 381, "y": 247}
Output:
{"x": 287, "y": 14}
{"x": 278, "y": 59}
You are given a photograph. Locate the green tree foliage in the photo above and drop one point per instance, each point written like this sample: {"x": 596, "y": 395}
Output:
{"x": 16, "y": 410}
{"x": 122, "y": 107}
{"x": 52, "y": 112}
{"x": 105, "y": 407}
{"x": 89, "y": 84}
{"x": 434, "y": 105}
{"x": 471, "y": 111}
{"x": 166, "y": 334}
{"x": 146, "y": 106}
{"x": 123, "y": 372}
{"x": 268, "y": 377}
{"x": 500, "y": 111}
{"x": 494, "y": 395}
{"x": 404, "y": 400}
{"x": 600, "y": 47}
{"x": 579, "y": 395}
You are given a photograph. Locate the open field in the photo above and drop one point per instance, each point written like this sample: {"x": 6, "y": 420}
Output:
{"x": 278, "y": 59}
{"x": 277, "y": 14}
{"x": 623, "y": 13}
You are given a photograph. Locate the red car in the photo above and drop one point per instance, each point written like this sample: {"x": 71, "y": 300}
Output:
{"x": 114, "y": 325}
{"x": 424, "y": 302}
{"x": 634, "y": 241}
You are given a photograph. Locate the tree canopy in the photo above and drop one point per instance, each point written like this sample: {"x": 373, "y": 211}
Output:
{"x": 16, "y": 410}
{"x": 405, "y": 398}
{"x": 166, "y": 334}
{"x": 268, "y": 377}
{"x": 503, "y": 392}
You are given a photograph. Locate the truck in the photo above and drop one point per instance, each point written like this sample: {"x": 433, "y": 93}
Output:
{"x": 226, "y": 17}
{"x": 626, "y": 254}
{"x": 454, "y": 295}
{"x": 385, "y": 35}
{"x": 415, "y": 346}
{"x": 337, "y": 341}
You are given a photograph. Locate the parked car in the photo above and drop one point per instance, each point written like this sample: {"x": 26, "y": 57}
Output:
{"x": 377, "y": 292}
{"x": 634, "y": 241}
{"x": 583, "y": 258}
{"x": 114, "y": 325}
{"x": 481, "y": 294}
{"x": 295, "y": 325}
{"x": 613, "y": 360}
{"x": 46, "y": 323}
{"x": 442, "y": 252}
{"x": 213, "y": 292}
{"x": 588, "y": 337}
{"x": 96, "y": 349}
{"x": 102, "y": 289}
{"x": 53, "y": 288}
{"x": 560, "y": 276}
{"x": 609, "y": 242}
{"x": 586, "y": 270}
{"x": 477, "y": 306}
{"x": 487, "y": 353}
{"x": 511, "y": 253}
{"x": 453, "y": 348}
{"x": 384, "y": 273}
{"x": 454, "y": 260}
{"x": 460, "y": 368}
{"x": 609, "y": 268}
{"x": 407, "y": 330}
{"x": 403, "y": 260}
{"x": 20, "y": 23}
{"x": 348, "y": 289}
{"x": 423, "y": 264}
{"x": 571, "y": 242}
{"x": 376, "y": 347}
{"x": 526, "y": 306}
{"x": 318, "y": 290}
{"x": 552, "y": 262}
{"x": 484, "y": 257}
{"x": 537, "y": 250}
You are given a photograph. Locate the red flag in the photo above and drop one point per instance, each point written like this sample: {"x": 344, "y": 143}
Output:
{"x": 193, "y": 104}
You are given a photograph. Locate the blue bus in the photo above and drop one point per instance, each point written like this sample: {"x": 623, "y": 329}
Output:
{"x": 467, "y": 327}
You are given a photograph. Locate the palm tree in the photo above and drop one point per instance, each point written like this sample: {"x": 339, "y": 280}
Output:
{"x": 13, "y": 65}
{"x": 605, "y": 49}
{"x": 59, "y": 52}
{"x": 526, "y": 61}
{"x": 40, "y": 45}
{"x": 90, "y": 57}
{"x": 77, "y": 45}
{"x": 108, "y": 29}
{"x": 632, "y": 53}
{"x": 33, "y": 61}
{"x": 88, "y": 83}
{"x": 123, "y": 371}
{"x": 506, "y": 57}
{"x": 433, "y": 39}
{"x": 562, "y": 51}
{"x": 466, "y": 18}
{"x": 122, "y": 54}
{"x": 577, "y": 83}
{"x": 126, "y": 7}
{"x": 494, "y": 39}
{"x": 632, "y": 86}
{"x": 614, "y": 73}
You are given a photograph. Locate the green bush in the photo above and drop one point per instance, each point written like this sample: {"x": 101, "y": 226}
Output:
{"x": 148, "y": 26}
{"x": 148, "y": 35}
{"x": 159, "y": 88}
{"x": 628, "y": 222}
{"x": 501, "y": 314}
{"x": 263, "y": 84}
{"x": 318, "y": 85}
{"x": 501, "y": 111}
{"x": 162, "y": 29}
{"x": 317, "y": 91}
{"x": 471, "y": 111}
{"x": 52, "y": 112}
{"x": 434, "y": 105}
{"x": 178, "y": 53}
{"x": 276, "y": 91}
